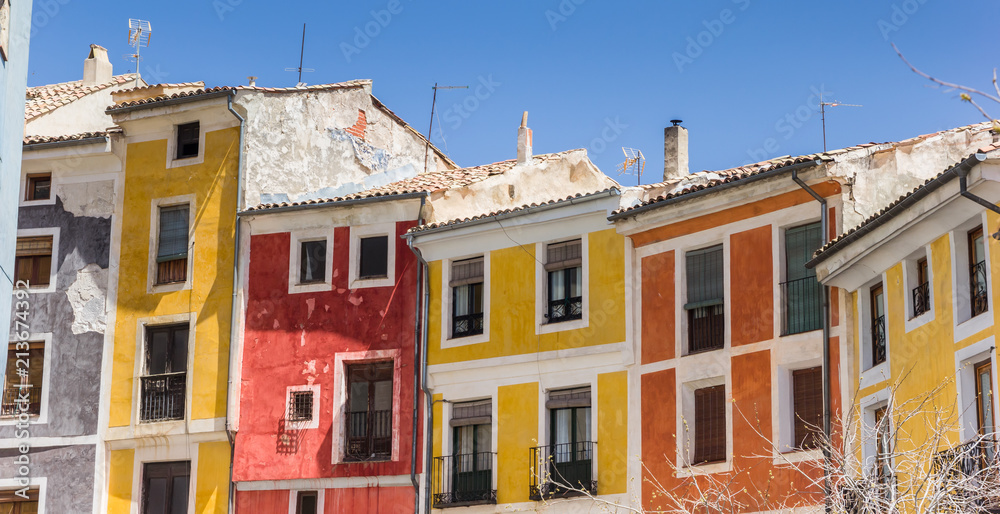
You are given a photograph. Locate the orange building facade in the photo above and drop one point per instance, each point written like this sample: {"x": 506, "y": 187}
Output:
{"x": 729, "y": 334}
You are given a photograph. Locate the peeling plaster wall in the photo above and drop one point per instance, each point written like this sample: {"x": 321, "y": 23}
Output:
{"x": 317, "y": 144}
{"x": 83, "y": 115}
{"x": 68, "y": 470}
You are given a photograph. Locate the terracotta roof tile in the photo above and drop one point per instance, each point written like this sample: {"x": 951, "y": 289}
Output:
{"x": 33, "y": 140}
{"x": 202, "y": 91}
{"x": 42, "y": 99}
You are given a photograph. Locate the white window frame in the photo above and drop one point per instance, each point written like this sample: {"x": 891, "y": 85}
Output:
{"x": 21, "y": 202}
{"x": 172, "y": 160}
{"x": 965, "y": 380}
{"x": 164, "y": 453}
{"x": 341, "y": 361}
{"x": 43, "y": 409}
{"x": 680, "y": 285}
{"x": 154, "y": 238}
{"x": 40, "y": 483}
{"x": 910, "y": 273}
{"x": 965, "y": 324}
{"x": 54, "y": 266}
{"x": 784, "y": 406}
{"x": 161, "y": 427}
{"x": 315, "y": 390}
{"x": 686, "y": 426}
{"x": 365, "y": 231}
{"x": 779, "y": 249}
{"x": 869, "y": 444}
{"x": 871, "y": 375}
{"x": 542, "y": 325}
{"x": 293, "y": 498}
{"x": 298, "y": 237}
{"x": 447, "y": 341}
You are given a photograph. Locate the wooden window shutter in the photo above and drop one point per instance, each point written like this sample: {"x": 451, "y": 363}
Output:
{"x": 468, "y": 271}
{"x": 479, "y": 412}
{"x": 31, "y": 246}
{"x": 807, "y": 392}
{"x": 710, "y": 424}
{"x": 705, "y": 276}
{"x": 568, "y": 254}
{"x": 567, "y": 398}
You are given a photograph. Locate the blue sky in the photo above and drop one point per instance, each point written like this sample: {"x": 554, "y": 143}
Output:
{"x": 743, "y": 74}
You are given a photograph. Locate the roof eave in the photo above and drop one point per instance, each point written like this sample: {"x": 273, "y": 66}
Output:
{"x": 171, "y": 101}
{"x": 333, "y": 204}
{"x": 62, "y": 144}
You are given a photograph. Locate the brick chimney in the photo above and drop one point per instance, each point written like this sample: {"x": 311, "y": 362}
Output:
{"x": 675, "y": 151}
{"x": 524, "y": 141}
{"x": 97, "y": 67}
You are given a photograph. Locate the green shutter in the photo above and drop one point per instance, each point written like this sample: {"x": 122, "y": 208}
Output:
{"x": 800, "y": 243}
{"x": 705, "y": 277}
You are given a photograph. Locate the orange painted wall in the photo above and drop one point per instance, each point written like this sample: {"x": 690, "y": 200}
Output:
{"x": 658, "y": 297}
{"x": 659, "y": 445}
{"x": 751, "y": 289}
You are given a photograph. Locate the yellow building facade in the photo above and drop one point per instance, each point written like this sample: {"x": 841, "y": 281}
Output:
{"x": 919, "y": 278}
{"x": 527, "y": 357}
{"x": 165, "y": 417}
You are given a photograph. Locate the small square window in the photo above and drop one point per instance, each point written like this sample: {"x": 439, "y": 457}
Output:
{"x": 313, "y": 262}
{"x": 39, "y": 187}
{"x": 300, "y": 406}
{"x": 374, "y": 257}
{"x": 306, "y": 502}
{"x": 33, "y": 260}
{"x": 187, "y": 140}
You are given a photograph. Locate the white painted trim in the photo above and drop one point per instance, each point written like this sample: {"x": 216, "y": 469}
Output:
{"x": 872, "y": 374}
{"x": 965, "y": 325}
{"x": 164, "y": 453}
{"x": 318, "y": 484}
{"x": 154, "y": 236}
{"x": 48, "y": 442}
{"x": 163, "y": 427}
{"x": 542, "y": 325}
{"x": 485, "y": 367}
{"x": 869, "y": 404}
{"x": 364, "y": 231}
{"x": 54, "y": 262}
{"x": 965, "y": 381}
{"x": 41, "y": 483}
{"x": 315, "y": 390}
{"x": 910, "y": 273}
{"x": 447, "y": 341}
{"x": 685, "y": 388}
{"x": 341, "y": 360}
{"x": 23, "y": 191}
{"x": 296, "y": 238}
{"x": 43, "y": 413}
{"x": 172, "y": 161}
{"x": 293, "y": 497}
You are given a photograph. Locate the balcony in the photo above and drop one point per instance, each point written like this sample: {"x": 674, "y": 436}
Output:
{"x": 467, "y": 325}
{"x": 163, "y": 397}
{"x": 12, "y": 400}
{"x": 463, "y": 480}
{"x": 970, "y": 468}
{"x": 921, "y": 299}
{"x": 979, "y": 296}
{"x": 803, "y": 302}
{"x": 562, "y": 470}
{"x": 565, "y": 309}
{"x": 706, "y": 328}
{"x": 878, "y": 340}
{"x": 369, "y": 435}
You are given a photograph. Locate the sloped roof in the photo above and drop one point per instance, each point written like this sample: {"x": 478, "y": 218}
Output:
{"x": 34, "y": 140}
{"x": 209, "y": 90}
{"x": 42, "y": 99}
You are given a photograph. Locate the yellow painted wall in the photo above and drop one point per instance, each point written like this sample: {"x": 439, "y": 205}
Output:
{"x": 120, "y": 481}
{"x": 214, "y": 185}
{"x": 212, "y": 493}
{"x": 512, "y": 303}
{"x": 517, "y": 430}
{"x": 612, "y": 432}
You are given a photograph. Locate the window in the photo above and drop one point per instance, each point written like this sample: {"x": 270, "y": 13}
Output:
{"x": 801, "y": 293}
{"x": 564, "y": 264}
{"x": 374, "y": 257}
{"x": 568, "y": 460}
{"x": 710, "y": 424}
{"x": 22, "y": 392}
{"x": 172, "y": 251}
{"x": 11, "y": 503}
{"x": 883, "y": 446}
{"x": 922, "y": 293}
{"x": 39, "y": 187}
{"x": 306, "y": 502}
{"x": 164, "y": 383}
{"x": 369, "y": 411}
{"x": 877, "y": 307}
{"x": 300, "y": 406}
{"x": 165, "y": 487}
{"x": 807, "y": 393}
{"x": 467, "y": 297}
{"x": 705, "y": 298}
{"x": 33, "y": 260}
{"x": 187, "y": 140}
{"x": 984, "y": 397}
{"x": 313, "y": 262}
{"x": 977, "y": 272}
{"x": 467, "y": 476}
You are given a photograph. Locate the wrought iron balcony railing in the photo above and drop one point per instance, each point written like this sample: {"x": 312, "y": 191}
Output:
{"x": 369, "y": 435}
{"x": 561, "y": 470}
{"x": 878, "y": 340}
{"x": 921, "y": 299}
{"x": 163, "y": 397}
{"x": 565, "y": 309}
{"x": 978, "y": 294}
{"x": 463, "y": 479}
{"x": 467, "y": 325}
{"x": 13, "y": 399}
{"x": 965, "y": 465}
{"x": 706, "y": 328}
{"x": 803, "y": 303}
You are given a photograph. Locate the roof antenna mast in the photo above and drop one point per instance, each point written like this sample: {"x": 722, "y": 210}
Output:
{"x": 822, "y": 111}
{"x": 634, "y": 163}
{"x": 302, "y": 53}
{"x": 138, "y": 37}
{"x": 431, "y": 127}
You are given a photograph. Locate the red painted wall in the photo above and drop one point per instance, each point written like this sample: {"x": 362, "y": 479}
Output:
{"x": 383, "y": 500}
{"x": 289, "y": 339}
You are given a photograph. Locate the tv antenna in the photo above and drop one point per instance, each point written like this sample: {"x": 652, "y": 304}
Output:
{"x": 138, "y": 37}
{"x": 822, "y": 112}
{"x": 634, "y": 163}
{"x": 302, "y": 53}
{"x": 431, "y": 127}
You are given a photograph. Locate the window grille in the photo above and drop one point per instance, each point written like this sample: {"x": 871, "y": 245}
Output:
{"x": 300, "y": 406}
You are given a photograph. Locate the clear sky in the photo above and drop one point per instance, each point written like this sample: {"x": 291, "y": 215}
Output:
{"x": 743, "y": 74}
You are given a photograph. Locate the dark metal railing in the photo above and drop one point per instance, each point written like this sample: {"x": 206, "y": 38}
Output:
{"x": 706, "y": 328}
{"x": 980, "y": 300}
{"x": 803, "y": 302}
{"x": 921, "y": 299}
{"x": 561, "y": 470}
{"x": 13, "y": 399}
{"x": 975, "y": 460}
{"x": 565, "y": 309}
{"x": 878, "y": 340}
{"x": 463, "y": 479}
{"x": 369, "y": 435}
{"x": 467, "y": 325}
{"x": 163, "y": 397}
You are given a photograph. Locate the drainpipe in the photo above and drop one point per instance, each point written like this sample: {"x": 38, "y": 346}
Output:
{"x": 428, "y": 429}
{"x": 963, "y": 173}
{"x": 827, "y": 430}
{"x": 236, "y": 288}
{"x": 417, "y": 366}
